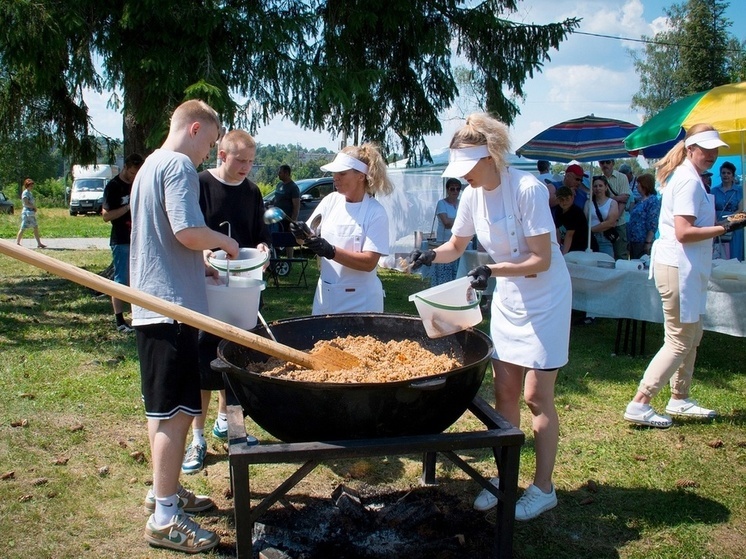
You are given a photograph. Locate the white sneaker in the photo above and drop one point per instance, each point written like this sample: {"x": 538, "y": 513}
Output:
{"x": 689, "y": 408}
{"x": 486, "y": 500}
{"x": 181, "y": 534}
{"x": 644, "y": 414}
{"x": 533, "y": 502}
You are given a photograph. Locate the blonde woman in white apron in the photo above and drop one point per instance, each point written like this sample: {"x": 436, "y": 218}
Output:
{"x": 681, "y": 262}
{"x": 353, "y": 233}
{"x": 509, "y": 212}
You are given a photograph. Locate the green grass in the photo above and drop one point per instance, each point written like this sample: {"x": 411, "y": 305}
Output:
{"x": 56, "y": 223}
{"x": 674, "y": 493}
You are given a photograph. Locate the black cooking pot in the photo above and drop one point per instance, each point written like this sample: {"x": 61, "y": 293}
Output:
{"x": 295, "y": 411}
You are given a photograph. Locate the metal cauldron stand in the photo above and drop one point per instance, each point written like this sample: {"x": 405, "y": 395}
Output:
{"x": 504, "y": 439}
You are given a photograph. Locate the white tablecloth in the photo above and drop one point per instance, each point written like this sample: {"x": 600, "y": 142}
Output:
{"x": 613, "y": 293}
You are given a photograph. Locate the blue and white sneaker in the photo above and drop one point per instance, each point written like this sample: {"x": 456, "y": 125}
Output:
{"x": 219, "y": 433}
{"x": 194, "y": 458}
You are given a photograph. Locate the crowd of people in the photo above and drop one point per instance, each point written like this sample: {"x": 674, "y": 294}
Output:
{"x": 527, "y": 223}
{"x": 623, "y": 210}
{"x": 167, "y": 219}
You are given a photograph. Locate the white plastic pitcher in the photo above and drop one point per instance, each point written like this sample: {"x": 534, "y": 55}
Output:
{"x": 237, "y": 303}
{"x": 448, "y": 308}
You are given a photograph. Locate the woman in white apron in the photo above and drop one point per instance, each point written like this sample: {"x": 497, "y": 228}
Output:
{"x": 681, "y": 262}
{"x": 353, "y": 233}
{"x": 509, "y": 212}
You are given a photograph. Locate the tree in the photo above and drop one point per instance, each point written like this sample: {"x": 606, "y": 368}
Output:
{"x": 375, "y": 71}
{"x": 736, "y": 64}
{"x": 696, "y": 53}
{"x": 20, "y": 158}
{"x": 303, "y": 162}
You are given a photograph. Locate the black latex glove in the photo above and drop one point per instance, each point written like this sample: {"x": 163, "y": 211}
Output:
{"x": 480, "y": 274}
{"x": 300, "y": 230}
{"x": 417, "y": 258}
{"x": 321, "y": 247}
{"x": 733, "y": 225}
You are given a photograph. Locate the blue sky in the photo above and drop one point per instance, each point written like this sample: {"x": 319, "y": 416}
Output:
{"x": 587, "y": 75}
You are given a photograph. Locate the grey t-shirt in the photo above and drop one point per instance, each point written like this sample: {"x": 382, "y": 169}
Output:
{"x": 164, "y": 201}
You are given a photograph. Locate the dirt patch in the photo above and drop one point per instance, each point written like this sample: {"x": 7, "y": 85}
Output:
{"x": 730, "y": 541}
{"x": 425, "y": 523}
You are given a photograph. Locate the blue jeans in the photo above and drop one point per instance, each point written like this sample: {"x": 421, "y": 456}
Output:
{"x": 121, "y": 257}
{"x": 604, "y": 244}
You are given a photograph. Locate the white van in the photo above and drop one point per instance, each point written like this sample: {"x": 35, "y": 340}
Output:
{"x": 87, "y": 194}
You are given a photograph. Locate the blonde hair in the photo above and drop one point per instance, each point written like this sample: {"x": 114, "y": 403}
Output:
{"x": 235, "y": 140}
{"x": 378, "y": 179}
{"x": 194, "y": 110}
{"x": 677, "y": 154}
{"x": 483, "y": 129}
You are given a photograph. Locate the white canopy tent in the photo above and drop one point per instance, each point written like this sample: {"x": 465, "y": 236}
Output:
{"x": 411, "y": 207}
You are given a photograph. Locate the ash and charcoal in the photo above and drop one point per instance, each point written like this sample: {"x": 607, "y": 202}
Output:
{"x": 424, "y": 523}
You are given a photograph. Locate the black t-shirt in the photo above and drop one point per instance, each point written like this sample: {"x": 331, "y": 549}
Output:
{"x": 285, "y": 193}
{"x": 573, "y": 220}
{"x": 240, "y": 205}
{"x": 116, "y": 195}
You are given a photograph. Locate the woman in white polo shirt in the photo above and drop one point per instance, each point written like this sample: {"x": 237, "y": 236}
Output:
{"x": 681, "y": 262}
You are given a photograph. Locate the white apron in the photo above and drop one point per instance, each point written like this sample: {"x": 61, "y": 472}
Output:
{"x": 530, "y": 323}
{"x": 341, "y": 289}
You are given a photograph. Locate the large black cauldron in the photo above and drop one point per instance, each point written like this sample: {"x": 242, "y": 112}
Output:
{"x": 296, "y": 411}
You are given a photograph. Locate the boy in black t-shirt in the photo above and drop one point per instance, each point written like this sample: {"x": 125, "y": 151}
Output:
{"x": 116, "y": 209}
{"x": 571, "y": 223}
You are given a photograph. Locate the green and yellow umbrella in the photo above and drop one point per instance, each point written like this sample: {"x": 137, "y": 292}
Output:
{"x": 723, "y": 107}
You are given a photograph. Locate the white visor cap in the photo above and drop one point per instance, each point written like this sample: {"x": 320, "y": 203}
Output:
{"x": 709, "y": 139}
{"x": 463, "y": 160}
{"x": 344, "y": 162}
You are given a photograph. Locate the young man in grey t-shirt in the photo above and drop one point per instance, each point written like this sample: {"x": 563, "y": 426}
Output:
{"x": 166, "y": 260}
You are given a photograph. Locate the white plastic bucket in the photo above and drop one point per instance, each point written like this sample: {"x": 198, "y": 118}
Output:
{"x": 249, "y": 263}
{"x": 448, "y": 308}
{"x": 236, "y": 303}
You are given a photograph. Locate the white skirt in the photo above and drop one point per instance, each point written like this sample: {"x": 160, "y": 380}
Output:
{"x": 530, "y": 323}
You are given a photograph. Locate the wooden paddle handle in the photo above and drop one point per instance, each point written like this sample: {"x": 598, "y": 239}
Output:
{"x": 171, "y": 310}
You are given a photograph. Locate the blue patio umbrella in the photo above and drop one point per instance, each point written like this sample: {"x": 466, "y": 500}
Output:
{"x": 585, "y": 139}
{"x": 589, "y": 138}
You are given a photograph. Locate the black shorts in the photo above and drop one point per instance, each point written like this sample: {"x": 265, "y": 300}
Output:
{"x": 169, "y": 370}
{"x": 208, "y": 351}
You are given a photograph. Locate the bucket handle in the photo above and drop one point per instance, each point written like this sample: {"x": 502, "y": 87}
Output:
{"x": 449, "y": 307}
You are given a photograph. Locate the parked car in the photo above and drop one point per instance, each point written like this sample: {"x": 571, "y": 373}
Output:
{"x": 311, "y": 193}
{"x": 6, "y": 206}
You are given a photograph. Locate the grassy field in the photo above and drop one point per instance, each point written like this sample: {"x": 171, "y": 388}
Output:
{"x": 56, "y": 223}
{"x": 74, "y": 461}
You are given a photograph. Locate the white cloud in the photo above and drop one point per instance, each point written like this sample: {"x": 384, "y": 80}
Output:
{"x": 659, "y": 25}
